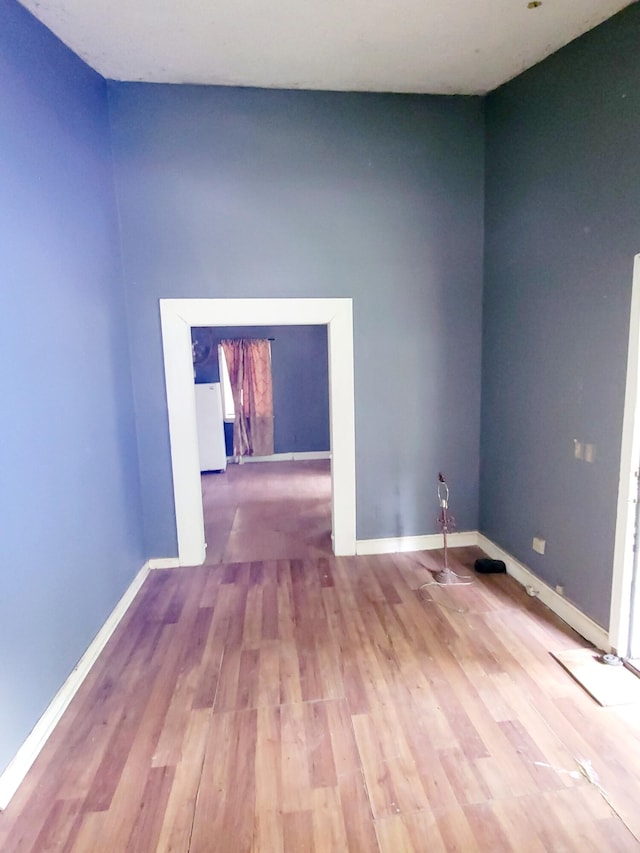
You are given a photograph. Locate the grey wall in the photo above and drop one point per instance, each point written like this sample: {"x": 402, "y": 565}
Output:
{"x": 562, "y": 228}
{"x": 69, "y": 496}
{"x": 246, "y": 193}
{"x": 300, "y": 374}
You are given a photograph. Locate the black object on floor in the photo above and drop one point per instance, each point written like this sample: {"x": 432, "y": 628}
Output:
{"x": 487, "y": 566}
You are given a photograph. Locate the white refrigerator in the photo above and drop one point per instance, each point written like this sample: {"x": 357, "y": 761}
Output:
{"x": 211, "y": 446}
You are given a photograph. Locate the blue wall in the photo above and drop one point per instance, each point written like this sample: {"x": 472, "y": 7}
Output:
{"x": 69, "y": 495}
{"x": 247, "y": 193}
{"x": 300, "y": 374}
{"x": 562, "y": 229}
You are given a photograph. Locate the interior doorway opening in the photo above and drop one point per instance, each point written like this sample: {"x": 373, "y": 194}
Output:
{"x": 624, "y": 630}
{"x": 178, "y": 317}
{"x": 281, "y": 507}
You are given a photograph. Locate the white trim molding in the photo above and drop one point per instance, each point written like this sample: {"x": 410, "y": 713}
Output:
{"x": 164, "y": 563}
{"x": 177, "y": 317}
{"x": 428, "y": 542}
{"x": 30, "y": 749}
{"x": 623, "y": 556}
{"x": 572, "y": 615}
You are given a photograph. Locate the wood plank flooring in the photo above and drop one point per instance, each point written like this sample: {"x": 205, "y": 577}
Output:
{"x": 268, "y": 510}
{"x": 328, "y": 704}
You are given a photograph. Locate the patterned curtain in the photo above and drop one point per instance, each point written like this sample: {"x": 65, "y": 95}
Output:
{"x": 249, "y": 364}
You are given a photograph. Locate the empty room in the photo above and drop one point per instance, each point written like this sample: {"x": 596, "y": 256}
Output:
{"x": 398, "y": 608}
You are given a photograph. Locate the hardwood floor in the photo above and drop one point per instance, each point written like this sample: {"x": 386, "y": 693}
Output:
{"x": 320, "y": 704}
{"x": 268, "y": 510}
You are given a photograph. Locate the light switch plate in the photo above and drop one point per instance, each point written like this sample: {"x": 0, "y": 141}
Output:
{"x": 539, "y": 544}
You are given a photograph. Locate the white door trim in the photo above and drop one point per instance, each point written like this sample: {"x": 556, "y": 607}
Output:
{"x": 620, "y": 613}
{"x": 177, "y": 318}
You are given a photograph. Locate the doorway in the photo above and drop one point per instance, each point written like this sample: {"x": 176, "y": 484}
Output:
{"x": 178, "y": 316}
{"x": 624, "y": 630}
{"x": 279, "y": 508}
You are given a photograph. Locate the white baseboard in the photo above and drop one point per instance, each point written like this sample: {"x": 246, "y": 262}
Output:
{"x": 572, "y": 615}
{"x": 28, "y": 752}
{"x": 429, "y": 542}
{"x": 284, "y": 457}
{"x": 164, "y": 563}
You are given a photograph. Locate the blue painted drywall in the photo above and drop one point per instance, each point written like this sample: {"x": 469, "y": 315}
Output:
{"x": 69, "y": 493}
{"x": 248, "y": 193}
{"x": 562, "y": 229}
{"x": 299, "y": 367}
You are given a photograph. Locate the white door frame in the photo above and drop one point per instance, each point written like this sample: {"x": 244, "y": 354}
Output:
{"x": 623, "y": 562}
{"x": 177, "y": 317}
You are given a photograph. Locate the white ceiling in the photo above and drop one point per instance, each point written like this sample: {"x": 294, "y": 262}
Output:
{"x": 436, "y": 46}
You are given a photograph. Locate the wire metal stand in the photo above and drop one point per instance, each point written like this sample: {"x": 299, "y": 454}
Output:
{"x": 447, "y": 524}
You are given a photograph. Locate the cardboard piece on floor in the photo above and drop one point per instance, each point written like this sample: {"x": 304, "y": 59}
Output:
{"x": 608, "y": 685}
